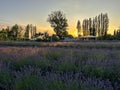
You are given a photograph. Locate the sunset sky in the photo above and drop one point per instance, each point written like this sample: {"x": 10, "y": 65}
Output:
{"x": 36, "y": 12}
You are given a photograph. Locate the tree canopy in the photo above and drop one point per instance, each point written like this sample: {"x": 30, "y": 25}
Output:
{"x": 58, "y": 22}
{"x": 79, "y": 27}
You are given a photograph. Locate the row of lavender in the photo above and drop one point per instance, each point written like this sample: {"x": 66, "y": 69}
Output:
{"x": 80, "y": 44}
{"x": 59, "y": 68}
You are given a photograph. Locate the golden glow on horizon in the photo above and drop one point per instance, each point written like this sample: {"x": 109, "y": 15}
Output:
{"x": 50, "y": 31}
{"x": 43, "y": 27}
{"x": 72, "y": 30}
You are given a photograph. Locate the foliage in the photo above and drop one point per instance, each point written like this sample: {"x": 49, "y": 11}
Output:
{"x": 18, "y": 33}
{"x": 54, "y": 37}
{"x": 30, "y": 31}
{"x": 30, "y": 61}
{"x": 107, "y": 37}
{"x": 96, "y": 26}
{"x": 43, "y": 37}
{"x": 27, "y": 83}
{"x": 46, "y": 36}
{"x": 59, "y": 23}
{"x": 14, "y": 31}
{"x": 6, "y": 80}
{"x": 3, "y": 35}
{"x": 117, "y": 34}
{"x": 79, "y": 28}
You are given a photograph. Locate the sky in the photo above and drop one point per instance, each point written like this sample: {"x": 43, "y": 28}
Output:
{"x": 36, "y": 12}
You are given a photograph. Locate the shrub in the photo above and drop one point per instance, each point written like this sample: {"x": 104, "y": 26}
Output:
{"x": 43, "y": 64}
{"x": 27, "y": 83}
{"x": 6, "y": 81}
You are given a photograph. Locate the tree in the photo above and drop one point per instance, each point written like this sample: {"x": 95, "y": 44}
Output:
{"x": 103, "y": 24}
{"x": 115, "y": 33}
{"x": 3, "y": 35}
{"x": 94, "y": 27}
{"x": 59, "y": 23}
{"x": 54, "y": 37}
{"x": 99, "y": 30}
{"x": 45, "y": 36}
{"x": 85, "y": 26}
{"x": 106, "y": 23}
{"x": 98, "y": 25}
{"x": 79, "y": 28}
{"x": 20, "y": 32}
{"x": 90, "y": 23}
{"x": 34, "y": 31}
{"x": 14, "y": 32}
{"x": 27, "y": 32}
{"x": 30, "y": 31}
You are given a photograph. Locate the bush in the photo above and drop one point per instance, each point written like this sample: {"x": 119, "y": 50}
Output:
{"x": 6, "y": 81}
{"x": 66, "y": 66}
{"x": 27, "y": 83}
{"x": 43, "y": 64}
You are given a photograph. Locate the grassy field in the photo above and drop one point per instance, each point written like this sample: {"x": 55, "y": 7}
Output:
{"x": 60, "y": 66}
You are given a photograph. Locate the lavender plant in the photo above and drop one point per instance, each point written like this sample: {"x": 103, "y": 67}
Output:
{"x": 71, "y": 66}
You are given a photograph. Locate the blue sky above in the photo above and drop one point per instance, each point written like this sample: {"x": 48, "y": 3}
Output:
{"x": 36, "y": 11}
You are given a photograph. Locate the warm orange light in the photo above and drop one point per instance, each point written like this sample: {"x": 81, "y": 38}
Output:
{"x": 71, "y": 30}
{"x": 73, "y": 33}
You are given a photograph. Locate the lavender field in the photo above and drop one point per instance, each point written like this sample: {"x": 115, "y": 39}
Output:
{"x": 60, "y": 66}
